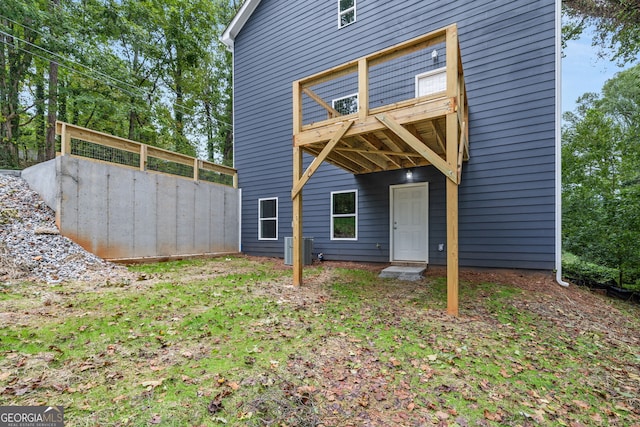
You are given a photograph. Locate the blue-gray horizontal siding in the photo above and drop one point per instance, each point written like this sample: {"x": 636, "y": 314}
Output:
{"x": 507, "y": 201}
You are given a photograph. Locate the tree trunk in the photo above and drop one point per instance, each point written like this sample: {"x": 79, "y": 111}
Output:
{"x": 52, "y": 110}
{"x": 62, "y": 101}
{"x": 53, "y": 101}
{"x": 41, "y": 128}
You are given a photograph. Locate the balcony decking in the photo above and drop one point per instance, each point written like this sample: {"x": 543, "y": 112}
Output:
{"x": 394, "y": 109}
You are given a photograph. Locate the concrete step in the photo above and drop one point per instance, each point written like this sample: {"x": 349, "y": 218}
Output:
{"x": 409, "y": 273}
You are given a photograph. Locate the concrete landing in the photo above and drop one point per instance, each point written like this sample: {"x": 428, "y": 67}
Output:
{"x": 402, "y": 273}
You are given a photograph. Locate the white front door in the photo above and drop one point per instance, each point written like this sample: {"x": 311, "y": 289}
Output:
{"x": 410, "y": 222}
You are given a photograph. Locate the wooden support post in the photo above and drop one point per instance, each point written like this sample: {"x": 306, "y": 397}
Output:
{"x": 452, "y": 248}
{"x": 452, "y": 160}
{"x": 297, "y": 176}
{"x": 297, "y": 219}
{"x": 65, "y": 140}
{"x": 196, "y": 169}
{"x": 363, "y": 89}
{"x": 143, "y": 157}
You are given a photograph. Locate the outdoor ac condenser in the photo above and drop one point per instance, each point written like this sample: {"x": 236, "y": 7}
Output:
{"x": 307, "y": 250}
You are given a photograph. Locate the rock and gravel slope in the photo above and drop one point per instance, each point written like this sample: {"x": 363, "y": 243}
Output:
{"x": 31, "y": 247}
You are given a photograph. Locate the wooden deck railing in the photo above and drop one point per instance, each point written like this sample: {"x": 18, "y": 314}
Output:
{"x": 174, "y": 163}
{"x": 382, "y": 81}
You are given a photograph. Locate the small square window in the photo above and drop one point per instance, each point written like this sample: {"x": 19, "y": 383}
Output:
{"x": 431, "y": 82}
{"x": 346, "y": 105}
{"x": 344, "y": 215}
{"x": 346, "y": 12}
{"x": 268, "y": 219}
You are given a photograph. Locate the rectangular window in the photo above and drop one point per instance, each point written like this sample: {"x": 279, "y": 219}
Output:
{"x": 431, "y": 82}
{"x": 346, "y": 12}
{"x": 344, "y": 215}
{"x": 346, "y": 105}
{"x": 268, "y": 219}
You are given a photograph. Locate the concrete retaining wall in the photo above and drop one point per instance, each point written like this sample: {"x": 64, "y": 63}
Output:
{"x": 121, "y": 213}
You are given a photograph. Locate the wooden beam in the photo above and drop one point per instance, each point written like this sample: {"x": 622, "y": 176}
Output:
{"x": 213, "y": 167}
{"x": 330, "y": 74}
{"x": 297, "y": 108}
{"x": 452, "y": 186}
{"x": 65, "y": 139}
{"x": 311, "y": 94}
{"x": 339, "y": 161}
{"x": 196, "y": 169}
{"x": 364, "y": 165}
{"x": 297, "y": 200}
{"x": 352, "y": 162}
{"x": 413, "y": 114}
{"x": 377, "y": 152}
{"x": 400, "y": 143}
{"x": 319, "y": 159}
{"x": 355, "y": 145}
{"x": 143, "y": 157}
{"x": 461, "y": 144}
{"x": 297, "y": 219}
{"x": 452, "y": 248}
{"x": 363, "y": 89}
{"x": 417, "y": 145}
{"x": 379, "y": 146}
{"x": 440, "y": 137}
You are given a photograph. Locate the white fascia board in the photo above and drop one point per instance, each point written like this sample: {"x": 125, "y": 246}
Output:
{"x": 241, "y": 18}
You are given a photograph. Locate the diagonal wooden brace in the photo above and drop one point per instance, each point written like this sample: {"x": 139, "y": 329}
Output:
{"x": 433, "y": 158}
{"x": 320, "y": 158}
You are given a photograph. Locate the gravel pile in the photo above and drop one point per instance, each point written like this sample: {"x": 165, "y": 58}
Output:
{"x": 31, "y": 247}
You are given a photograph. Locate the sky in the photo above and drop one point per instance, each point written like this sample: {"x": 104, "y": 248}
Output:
{"x": 583, "y": 71}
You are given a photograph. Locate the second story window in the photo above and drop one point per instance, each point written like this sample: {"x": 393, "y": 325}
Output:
{"x": 346, "y": 12}
{"x": 346, "y": 105}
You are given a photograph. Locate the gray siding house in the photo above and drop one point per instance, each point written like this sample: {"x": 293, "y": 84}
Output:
{"x": 392, "y": 206}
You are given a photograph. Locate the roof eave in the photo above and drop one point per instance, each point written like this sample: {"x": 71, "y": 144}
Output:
{"x": 241, "y": 18}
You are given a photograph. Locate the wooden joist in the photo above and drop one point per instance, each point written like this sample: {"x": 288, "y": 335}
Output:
{"x": 419, "y": 147}
{"x": 416, "y": 113}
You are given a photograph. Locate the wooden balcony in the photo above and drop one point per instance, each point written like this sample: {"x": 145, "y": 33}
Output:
{"x": 402, "y": 107}
{"x": 387, "y": 110}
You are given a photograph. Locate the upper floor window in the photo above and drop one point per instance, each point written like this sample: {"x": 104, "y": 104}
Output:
{"x": 268, "y": 219}
{"x": 346, "y": 12}
{"x": 346, "y": 105}
{"x": 344, "y": 215}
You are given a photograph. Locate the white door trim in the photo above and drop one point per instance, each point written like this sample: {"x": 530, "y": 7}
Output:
{"x": 391, "y": 219}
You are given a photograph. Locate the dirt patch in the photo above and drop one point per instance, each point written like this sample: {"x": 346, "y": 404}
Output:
{"x": 339, "y": 375}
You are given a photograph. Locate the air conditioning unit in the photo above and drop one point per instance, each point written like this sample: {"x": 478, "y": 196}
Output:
{"x": 307, "y": 250}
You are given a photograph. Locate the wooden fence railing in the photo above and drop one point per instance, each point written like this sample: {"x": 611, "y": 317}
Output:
{"x": 129, "y": 153}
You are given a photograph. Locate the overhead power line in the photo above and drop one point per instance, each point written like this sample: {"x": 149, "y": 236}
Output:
{"x": 111, "y": 81}
{"x": 69, "y": 60}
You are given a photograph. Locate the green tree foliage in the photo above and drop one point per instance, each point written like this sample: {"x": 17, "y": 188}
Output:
{"x": 617, "y": 24}
{"x": 149, "y": 70}
{"x": 601, "y": 176}
{"x": 15, "y": 70}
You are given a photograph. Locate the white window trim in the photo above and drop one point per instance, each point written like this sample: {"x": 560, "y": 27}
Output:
{"x": 344, "y": 12}
{"x": 441, "y": 70}
{"x": 267, "y": 218}
{"x": 352, "y": 95}
{"x": 355, "y": 214}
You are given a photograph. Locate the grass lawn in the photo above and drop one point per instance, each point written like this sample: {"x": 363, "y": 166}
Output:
{"x": 232, "y": 342}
